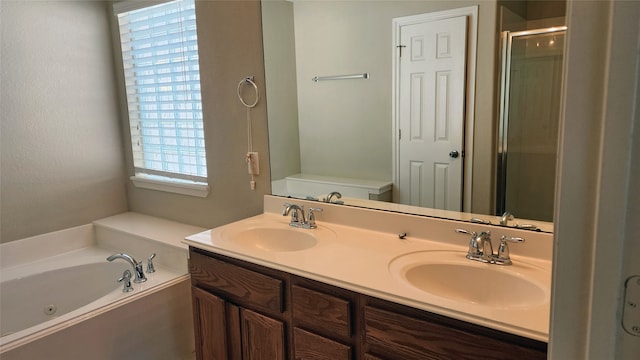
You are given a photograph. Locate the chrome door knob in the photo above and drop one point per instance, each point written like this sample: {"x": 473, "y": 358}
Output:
{"x": 454, "y": 154}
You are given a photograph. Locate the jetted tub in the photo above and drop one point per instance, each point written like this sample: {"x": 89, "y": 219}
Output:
{"x": 69, "y": 305}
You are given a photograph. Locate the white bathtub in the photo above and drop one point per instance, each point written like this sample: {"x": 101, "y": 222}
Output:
{"x": 69, "y": 305}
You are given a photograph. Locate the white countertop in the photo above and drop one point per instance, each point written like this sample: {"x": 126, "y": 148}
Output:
{"x": 358, "y": 259}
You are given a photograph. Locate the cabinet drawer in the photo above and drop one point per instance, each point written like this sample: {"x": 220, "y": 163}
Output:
{"x": 321, "y": 312}
{"x": 310, "y": 346}
{"x": 238, "y": 284}
{"x": 396, "y": 336}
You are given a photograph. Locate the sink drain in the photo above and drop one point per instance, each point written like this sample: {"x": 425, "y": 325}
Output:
{"x": 50, "y": 309}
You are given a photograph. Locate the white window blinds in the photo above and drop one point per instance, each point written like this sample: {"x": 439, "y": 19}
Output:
{"x": 161, "y": 71}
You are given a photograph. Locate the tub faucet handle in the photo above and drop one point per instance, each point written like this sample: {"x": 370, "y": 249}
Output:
{"x": 126, "y": 281}
{"x": 150, "y": 267}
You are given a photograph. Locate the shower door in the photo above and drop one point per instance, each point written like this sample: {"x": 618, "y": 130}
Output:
{"x": 529, "y": 116}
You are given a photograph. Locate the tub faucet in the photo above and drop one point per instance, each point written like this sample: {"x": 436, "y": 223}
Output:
{"x": 137, "y": 266}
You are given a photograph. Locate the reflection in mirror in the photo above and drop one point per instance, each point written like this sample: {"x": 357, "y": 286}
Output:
{"x": 529, "y": 119}
{"x": 341, "y": 135}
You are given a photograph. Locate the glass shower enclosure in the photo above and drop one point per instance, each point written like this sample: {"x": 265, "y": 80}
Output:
{"x": 531, "y": 80}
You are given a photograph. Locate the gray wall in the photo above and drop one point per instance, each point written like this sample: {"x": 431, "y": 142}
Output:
{"x": 230, "y": 48}
{"x": 282, "y": 96}
{"x": 61, "y": 158}
{"x": 64, "y": 135}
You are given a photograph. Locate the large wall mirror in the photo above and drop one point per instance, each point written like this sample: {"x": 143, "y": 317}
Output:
{"x": 338, "y": 94}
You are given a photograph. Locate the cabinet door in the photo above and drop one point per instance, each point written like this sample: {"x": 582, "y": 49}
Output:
{"x": 210, "y": 325}
{"x": 308, "y": 346}
{"x": 262, "y": 337}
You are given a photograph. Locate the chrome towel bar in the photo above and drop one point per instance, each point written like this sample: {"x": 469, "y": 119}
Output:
{"x": 341, "y": 77}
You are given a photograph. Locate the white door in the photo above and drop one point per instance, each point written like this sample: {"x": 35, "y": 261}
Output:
{"x": 431, "y": 103}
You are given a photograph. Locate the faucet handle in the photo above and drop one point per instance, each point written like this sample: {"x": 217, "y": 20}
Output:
{"x": 463, "y": 231}
{"x": 311, "y": 218}
{"x": 150, "y": 267}
{"x": 126, "y": 281}
{"x": 476, "y": 247}
{"x": 480, "y": 221}
{"x": 503, "y": 257}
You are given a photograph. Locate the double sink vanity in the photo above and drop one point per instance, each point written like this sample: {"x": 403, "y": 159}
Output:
{"x": 366, "y": 284}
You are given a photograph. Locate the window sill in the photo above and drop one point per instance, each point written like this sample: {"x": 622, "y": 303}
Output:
{"x": 177, "y": 187}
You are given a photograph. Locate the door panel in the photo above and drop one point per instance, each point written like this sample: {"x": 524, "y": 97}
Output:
{"x": 431, "y": 113}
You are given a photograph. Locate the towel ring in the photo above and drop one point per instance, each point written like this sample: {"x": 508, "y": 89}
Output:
{"x": 248, "y": 80}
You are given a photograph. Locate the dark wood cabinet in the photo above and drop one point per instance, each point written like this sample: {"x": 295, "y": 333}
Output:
{"x": 310, "y": 346}
{"x": 263, "y": 338}
{"x": 246, "y": 311}
{"x": 323, "y": 318}
{"x": 210, "y": 322}
{"x": 395, "y": 335}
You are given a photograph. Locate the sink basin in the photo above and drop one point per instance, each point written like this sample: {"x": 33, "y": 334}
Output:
{"x": 449, "y": 275}
{"x": 275, "y": 237}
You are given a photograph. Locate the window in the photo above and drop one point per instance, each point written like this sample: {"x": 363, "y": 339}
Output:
{"x": 161, "y": 71}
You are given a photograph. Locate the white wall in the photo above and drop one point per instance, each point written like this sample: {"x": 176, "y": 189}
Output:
{"x": 61, "y": 158}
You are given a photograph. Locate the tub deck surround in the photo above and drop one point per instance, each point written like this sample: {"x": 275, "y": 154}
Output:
{"x": 362, "y": 244}
{"x": 149, "y": 227}
{"x": 135, "y": 234}
{"x": 151, "y": 234}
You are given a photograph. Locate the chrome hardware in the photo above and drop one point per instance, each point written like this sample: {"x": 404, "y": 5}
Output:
{"x": 503, "y": 258}
{"x": 298, "y": 218}
{"x": 477, "y": 245}
{"x": 311, "y": 219}
{"x": 331, "y": 195}
{"x": 505, "y": 218}
{"x": 480, "y": 221}
{"x": 126, "y": 281}
{"x": 526, "y": 227}
{"x": 297, "y": 213}
{"x": 454, "y": 154}
{"x": 481, "y": 248}
{"x": 402, "y": 235}
{"x": 137, "y": 267}
{"x": 150, "y": 267}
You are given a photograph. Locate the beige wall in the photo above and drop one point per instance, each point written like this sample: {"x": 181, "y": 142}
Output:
{"x": 61, "y": 158}
{"x": 230, "y": 48}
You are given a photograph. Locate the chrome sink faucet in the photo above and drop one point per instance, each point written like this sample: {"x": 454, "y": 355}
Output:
{"x": 506, "y": 217}
{"x": 481, "y": 248}
{"x": 137, "y": 266}
{"x": 330, "y": 196}
{"x": 298, "y": 218}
